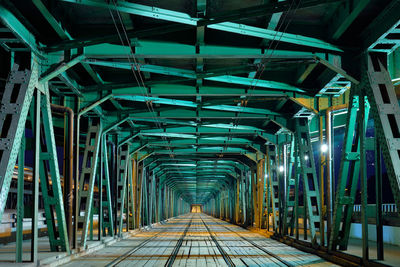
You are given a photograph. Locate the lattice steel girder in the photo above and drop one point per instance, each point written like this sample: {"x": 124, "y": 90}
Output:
{"x": 106, "y": 184}
{"x": 122, "y": 179}
{"x": 309, "y": 176}
{"x": 88, "y": 176}
{"x": 386, "y": 113}
{"x": 50, "y": 175}
{"x": 348, "y": 180}
{"x": 183, "y": 18}
{"x": 16, "y": 110}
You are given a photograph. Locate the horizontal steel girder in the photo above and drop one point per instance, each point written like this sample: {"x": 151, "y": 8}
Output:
{"x": 179, "y": 17}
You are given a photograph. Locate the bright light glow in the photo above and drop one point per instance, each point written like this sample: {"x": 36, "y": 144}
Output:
{"x": 324, "y": 148}
{"x": 281, "y": 168}
{"x": 306, "y": 157}
{"x": 266, "y": 176}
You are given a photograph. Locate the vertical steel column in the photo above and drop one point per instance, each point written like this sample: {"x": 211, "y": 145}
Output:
{"x": 50, "y": 180}
{"x": 321, "y": 181}
{"x": 329, "y": 166}
{"x": 274, "y": 184}
{"x": 378, "y": 192}
{"x": 312, "y": 204}
{"x": 107, "y": 223}
{"x": 36, "y": 172}
{"x": 87, "y": 178}
{"x": 348, "y": 174}
{"x": 20, "y": 201}
{"x": 121, "y": 185}
{"x": 260, "y": 191}
{"x": 237, "y": 202}
{"x": 363, "y": 175}
{"x": 386, "y": 113}
{"x": 289, "y": 212}
{"x": 15, "y": 103}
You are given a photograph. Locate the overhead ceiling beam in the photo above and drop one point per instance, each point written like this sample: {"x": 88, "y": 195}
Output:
{"x": 20, "y": 31}
{"x": 219, "y": 24}
{"x": 191, "y": 74}
{"x": 187, "y": 90}
{"x": 160, "y": 49}
{"x": 60, "y": 68}
{"x": 273, "y": 35}
{"x": 190, "y": 104}
{"x": 56, "y": 25}
{"x": 346, "y": 13}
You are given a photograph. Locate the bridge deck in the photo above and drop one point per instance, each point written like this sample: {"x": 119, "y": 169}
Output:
{"x": 198, "y": 240}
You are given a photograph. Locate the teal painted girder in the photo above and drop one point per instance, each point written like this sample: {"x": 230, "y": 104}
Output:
{"x": 179, "y": 17}
{"x": 162, "y": 49}
{"x": 19, "y": 29}
{"x": 162, "y": 89}
{"x": 190, "y": 104}
{"x": 193, "y": 75}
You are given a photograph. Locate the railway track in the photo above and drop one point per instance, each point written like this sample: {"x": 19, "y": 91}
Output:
{"x": 171, "y": 258}
{"x": 225, "y": 255}
{"x": 257, "y": 246}
{"x": 178, "y": 245}
{"x": 126, "y": 255}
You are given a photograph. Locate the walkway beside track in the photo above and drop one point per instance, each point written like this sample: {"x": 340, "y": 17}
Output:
{"x": 197, "y": 239}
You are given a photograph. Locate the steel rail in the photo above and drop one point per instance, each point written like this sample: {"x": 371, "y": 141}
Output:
{"x": 178, "y": 245}
{"x": 136, "y": 248}
{"x": 226, "y": 257}
{"x": 259, "y": 247}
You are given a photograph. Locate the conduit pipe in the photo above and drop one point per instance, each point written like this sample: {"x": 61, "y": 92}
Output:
{"x": 69, "y": 167}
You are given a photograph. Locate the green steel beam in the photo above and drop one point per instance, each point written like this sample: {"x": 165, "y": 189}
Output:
{"x": 185, "y": 103}
{"x": 60, "y": 68}
{"x": 9, "y": 20}
{"x": 255, "y": 83}
{"x": 57, "y": 27}
{"x": 26, "y": 81}
{"x": 140, "y": 10}
{"x": 161, "y": 89}
{"x": 178, "y": 17}
{"x": 274, "y": 35}
{"x": 193, "y": 75}
{"x": 345, "y": 14}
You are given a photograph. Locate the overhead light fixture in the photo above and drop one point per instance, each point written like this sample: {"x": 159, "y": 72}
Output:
{"x": 324, "y": 148}
{"x": 281, "y": 168}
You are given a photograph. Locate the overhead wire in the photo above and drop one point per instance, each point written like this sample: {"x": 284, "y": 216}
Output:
{"x": 136, "y": 67}
{"x": 262, "y": 65}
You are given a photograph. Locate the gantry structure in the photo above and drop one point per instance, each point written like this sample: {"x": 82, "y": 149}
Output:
{"x": 136, "y": 110}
